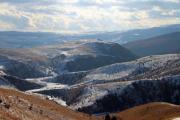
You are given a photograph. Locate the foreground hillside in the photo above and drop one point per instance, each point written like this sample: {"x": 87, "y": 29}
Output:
{"x": 164, "y": 44}
{"x": 153, "y": 111}
{"x": 16, "y": 105}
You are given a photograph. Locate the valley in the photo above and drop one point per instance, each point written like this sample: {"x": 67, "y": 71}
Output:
{"x": 83, "y": 78}
{"x": 89, "y": 59}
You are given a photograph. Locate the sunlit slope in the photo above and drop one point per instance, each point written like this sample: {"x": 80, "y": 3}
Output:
{"x": 164, "y": 44}
{"x": 15, "y": 105}
{"x": 152, "y": 111}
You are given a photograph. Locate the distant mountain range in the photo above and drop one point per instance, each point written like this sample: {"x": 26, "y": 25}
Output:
{"x": 13, "y": 39}
{"x": 164, "y": 44}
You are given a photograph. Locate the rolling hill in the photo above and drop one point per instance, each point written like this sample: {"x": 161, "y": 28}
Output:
{"x": 120, "y": 85}
{"x": 67, "y": 57}
{"x": 84, "y": 55}
{"x": 152, "y": 111}
{"x": 165, "y": 44}
{"x": 17, "y": 83}
{"x": 15, "y": 105}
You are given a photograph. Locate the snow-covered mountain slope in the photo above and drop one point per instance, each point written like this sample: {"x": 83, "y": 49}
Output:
{"x": 84, "y": 89}
{"x": 17, "y": 83}
{"x": 3, "y": 82}
{"x": 84, "y": 74}
{"x": 127, "y": 70}
{"x": 132, "y": 94}
{"x": 23, "y": 63}
{"x": 57, "y": 59}
{"x": 84, "y": 55}
{"x": 147, "y": 67}
{"x": 150, "y": 67}
{"x": 70, "y": 78}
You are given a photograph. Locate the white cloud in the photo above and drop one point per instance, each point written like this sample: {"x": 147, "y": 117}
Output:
{"x": 84, "y": 15}
{"x": 6, "y": 26}
{"x": 174, "y": 1}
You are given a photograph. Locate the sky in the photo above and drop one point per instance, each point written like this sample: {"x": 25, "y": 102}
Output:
{"x": 74, "y": 16}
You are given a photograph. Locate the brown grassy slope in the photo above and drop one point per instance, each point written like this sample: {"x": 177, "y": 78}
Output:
{"x": 15, "y": 105}
{"x": 152, "y": 111}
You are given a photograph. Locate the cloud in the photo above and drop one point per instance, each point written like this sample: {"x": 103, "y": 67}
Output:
{"x": 6, "y": 25}
{"x": 173, "y": 1}
{"x": 86, "y": 15}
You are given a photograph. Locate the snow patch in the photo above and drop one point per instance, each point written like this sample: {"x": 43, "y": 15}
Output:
{"x": 176, "y": 118}
{"x": 50, "y": 86}
{"x": 1, "y": 67}
{"x": 60, "y": 101}
{"x": 65, "y": 53}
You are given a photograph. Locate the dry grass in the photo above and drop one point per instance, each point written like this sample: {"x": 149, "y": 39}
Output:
{"x": 15, "y": 105}
{"x": 28, "y": 107}
{"x": 152, "y": 111}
